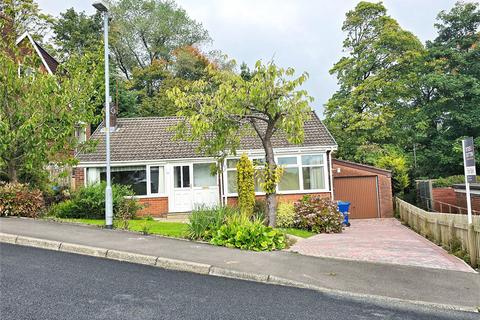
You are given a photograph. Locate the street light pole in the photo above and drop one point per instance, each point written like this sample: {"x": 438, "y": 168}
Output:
{"x": 103, "y": 7}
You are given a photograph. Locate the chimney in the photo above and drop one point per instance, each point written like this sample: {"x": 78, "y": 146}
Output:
{"x": 113, "y": 116}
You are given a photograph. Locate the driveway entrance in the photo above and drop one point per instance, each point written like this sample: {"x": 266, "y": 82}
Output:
{"x": 380, "y": 240}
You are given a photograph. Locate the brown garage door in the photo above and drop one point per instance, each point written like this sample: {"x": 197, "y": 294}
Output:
{"x": 361, "y": 192}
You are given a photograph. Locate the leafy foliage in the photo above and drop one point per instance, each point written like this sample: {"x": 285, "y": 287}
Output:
{"x": 285, "y": 215}
{"x": 77, "y": 33}
{"x": 39, "y": 113}
{"x": 396, "y": 93}
{"x": 245, "y": 185}
{"x": 314, "y": 213}
{"x": 20, "y": 200}
{"x": 89, "y": 203}
{"x": 203, "y": 222}
{"x": 240, "y": 232}
{"x": 449, "y": 181}
{"x": 151, "y": 30}
{"x": 219, "y": 111}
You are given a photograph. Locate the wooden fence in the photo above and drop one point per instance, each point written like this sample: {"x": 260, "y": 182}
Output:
{"x": 443, "y": 227}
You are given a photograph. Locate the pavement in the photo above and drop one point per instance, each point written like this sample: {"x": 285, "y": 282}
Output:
{"x": 43, "y": 284}
{"x": 381, "y": 241}
{"x": 356, "y": 279}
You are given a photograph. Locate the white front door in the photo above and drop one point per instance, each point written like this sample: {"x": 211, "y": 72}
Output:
{"x": 182, "y": 188}
{"x": 205, "y": 186}
{"x": 194, "y": 186}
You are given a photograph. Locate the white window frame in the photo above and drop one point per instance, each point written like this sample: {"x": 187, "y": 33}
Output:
{"x": 193, "y": 180}
{"x": 299, "y": 165}
{"x": 149, "y": 187}
{"x": 147, "y": 168}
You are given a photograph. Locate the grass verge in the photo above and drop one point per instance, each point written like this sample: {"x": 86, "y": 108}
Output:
{"x": 169, "y": 229}
{"x": 298, "y": 232}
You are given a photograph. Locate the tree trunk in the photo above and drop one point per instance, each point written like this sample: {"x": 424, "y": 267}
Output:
{"x": 271, "y": 198}
{"x": 12, "y": 172}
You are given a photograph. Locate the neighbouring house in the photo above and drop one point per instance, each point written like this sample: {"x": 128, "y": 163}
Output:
{"x": 367, "y": 188}
{"x": 170, "y": 176}
{"x": 451, "y": 199}
{"x": 461, "y": 196}
{"x": 29, "y": 46}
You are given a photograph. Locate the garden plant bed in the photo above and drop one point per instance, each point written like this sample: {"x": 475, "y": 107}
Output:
{"x": 163, "y": 228}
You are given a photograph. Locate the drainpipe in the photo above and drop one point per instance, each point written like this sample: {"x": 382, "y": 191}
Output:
{"x": 331, "y": 174}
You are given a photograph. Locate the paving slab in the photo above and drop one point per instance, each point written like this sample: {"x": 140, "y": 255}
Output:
{"x": 380, "y": 241}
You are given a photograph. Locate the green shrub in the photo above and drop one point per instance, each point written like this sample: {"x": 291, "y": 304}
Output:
{"x": 318, "y": 215}
{"x": 245, "y": 185}
{"x": 127, "y": 210}
{"x": 89, "y": 203}
{"x": 260, "y": 210}
{"x": 449, "y": 181}
{"x": 20, "y": 200}
{"x": 204, "y": 221}
{"x": 285, "y": 215}
{"x": 241, "y": 232}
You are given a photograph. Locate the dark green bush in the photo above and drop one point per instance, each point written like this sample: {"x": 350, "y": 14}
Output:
{"x": 241, "y": 232}
{"x": 89, "y": 202}
{"x": 449, "y": 181}
{"x": 319, "y": 215}
{"x": 204, "y": 221}
{"x": 20, "y": 200}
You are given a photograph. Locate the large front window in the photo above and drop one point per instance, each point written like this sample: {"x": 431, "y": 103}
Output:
{"x": 143, "y": 180}
{"x": 135, "y": 177}
{"x": 301, "y": 173}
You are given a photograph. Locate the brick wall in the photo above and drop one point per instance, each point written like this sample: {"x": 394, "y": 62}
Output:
{"x": 445, "y": 195}
{"x": 78, "y": 179}
{"x": 385, "y": 194}
{"x": 282, "y": 197}
{"x": 461, "y": 199}
{"x": 155, "y": 207}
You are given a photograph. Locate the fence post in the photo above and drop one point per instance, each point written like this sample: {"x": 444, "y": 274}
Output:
{"x": 438, "y": 232}
{"x": 451, "y": 230}
{"x": 472, "y": 249}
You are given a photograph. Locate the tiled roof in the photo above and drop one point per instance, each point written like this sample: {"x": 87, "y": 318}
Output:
{"x": 49, "y": 60}
{"x": 139, "y": 139}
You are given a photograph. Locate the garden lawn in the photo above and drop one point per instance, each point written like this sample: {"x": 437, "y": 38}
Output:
{"x": 169, "y": 229}
{"x": 298, "y": 232}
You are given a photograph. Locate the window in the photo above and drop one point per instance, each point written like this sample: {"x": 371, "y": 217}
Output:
{"x": 291, "y": 177}
{"x": 202, "y": 175}
{"x": 135, "y": 177}
{"x": 232, "y": 175}
{"x": 313, "y": 172}
{"x": 181, "y": 176}
{"x": 157, "y": 180}
{"x": 300, "y": 173}
{"x": 258, "y": 166}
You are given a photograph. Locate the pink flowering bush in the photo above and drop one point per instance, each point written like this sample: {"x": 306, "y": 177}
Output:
{"x": 317, "y": 214}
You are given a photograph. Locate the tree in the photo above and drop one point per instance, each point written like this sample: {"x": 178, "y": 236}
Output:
{"x": 39, "y": 113}
{"x": 377, "y": 80}
{"x": 452, "y": 74}
{"x": 219, "y": 111}
{"x": 146, "y": 31}
{"x": 77, "y": 33}
{"x": 245, "y": 185}
{"x": 24, "y": 15}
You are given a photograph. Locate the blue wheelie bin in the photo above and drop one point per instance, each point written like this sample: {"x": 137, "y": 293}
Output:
{"x": 343, "y": 207}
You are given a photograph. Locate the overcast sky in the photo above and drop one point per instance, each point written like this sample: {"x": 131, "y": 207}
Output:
{"x": 304, "y": 34}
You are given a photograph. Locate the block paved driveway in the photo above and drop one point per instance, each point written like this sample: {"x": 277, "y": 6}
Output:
{"x": 380, "y": 240}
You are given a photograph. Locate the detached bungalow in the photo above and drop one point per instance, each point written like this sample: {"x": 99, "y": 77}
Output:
{"x": 170, "y": 176}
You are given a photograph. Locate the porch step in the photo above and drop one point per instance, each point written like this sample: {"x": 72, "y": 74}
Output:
{"x": 175, "y": 217}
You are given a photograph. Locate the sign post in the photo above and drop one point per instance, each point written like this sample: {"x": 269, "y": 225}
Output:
{"x": 470, "y": 172}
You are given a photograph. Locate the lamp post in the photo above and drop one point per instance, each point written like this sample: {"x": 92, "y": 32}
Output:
{"x": 102, "y": 6}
